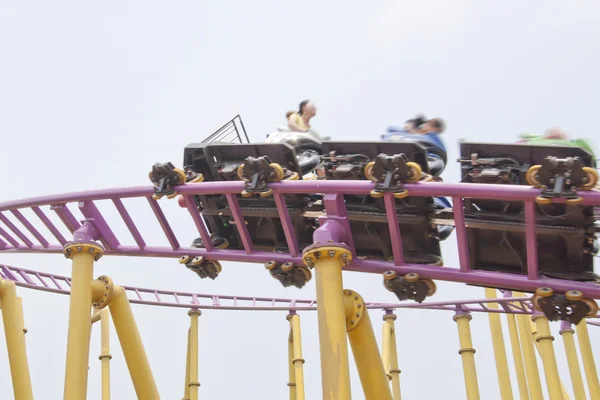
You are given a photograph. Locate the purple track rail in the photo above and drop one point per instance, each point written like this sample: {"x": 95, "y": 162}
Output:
{"x": 13, "y": 239}
{"x": 61, "y": 285}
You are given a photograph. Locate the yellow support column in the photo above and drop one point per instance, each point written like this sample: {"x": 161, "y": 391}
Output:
{"x": 194, "y": 383}
{"x": 20, "y": 300}
{"x": 467, "y": 354}
{"x": 105, "y": 356}
{"x": 587, "y": 357}
{"x": 186, "y": 390}
{"x": 534, "y": 335}
{"x": 78, "y": 342}
{"x": 574, "y": 370}
{"x": 364, "y": 347}
{"x": 292, "y": 373}
{"x": 297, "y": 362}
{"x": 333, "y": 343}
{"x": 390, "y": 353}
{"x": 129, "y": 337}
{"x": 544, "y": 338}
{"x": 499, "y": 348}
{"x": 517, "y": 356}
{"x": 12, "y": 318}
{"x": 531, "y": 367}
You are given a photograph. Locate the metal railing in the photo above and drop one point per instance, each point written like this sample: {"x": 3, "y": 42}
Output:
{"x": 232, "y": 132}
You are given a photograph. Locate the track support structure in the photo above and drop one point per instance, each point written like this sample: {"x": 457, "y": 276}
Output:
{"x": 587, "y": 357}
{"x": 567, "y": 332}
{"x": 14, "y": 332}
{"x": 390, "y": 353}
{"x": 328, "y": 256}
{"x": 467, "y": 354}
{"x": 83, "y": 252}
{"x": 364, "y": 348}
{"x": 295, "y": 360}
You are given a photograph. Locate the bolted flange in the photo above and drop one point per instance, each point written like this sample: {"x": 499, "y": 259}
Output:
{"x": 106, "y": 284}
{"x": 319, "y": 251}
{"x": 73, "y": 248}
{"x": 354, "y": 306}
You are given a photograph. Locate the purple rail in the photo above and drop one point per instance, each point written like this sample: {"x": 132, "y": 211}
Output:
{"x": 163, "y": 298}
{"x": 14, "y": 239}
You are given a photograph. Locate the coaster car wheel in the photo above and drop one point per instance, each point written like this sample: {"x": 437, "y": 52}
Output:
{"x": 368, "y": 171}
{"x": 531, "y": 174}
{"x": 278, "y": 172}
{"x": 592, "y": 176}
{"x": 416, "y": 172}
{"x": 402, "y": 194}
{"x": 541, "y": 200}
{"x": 593, "y": 307}
{"x": 376, "y": 194}
{"x": 240, "y": 173}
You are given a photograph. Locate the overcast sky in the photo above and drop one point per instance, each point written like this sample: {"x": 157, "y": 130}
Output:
{"x": 91, "y": 95}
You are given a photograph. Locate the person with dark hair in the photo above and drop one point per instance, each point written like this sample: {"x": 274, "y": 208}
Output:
{"x": 300, "y": 121}
{"x": 414, "y": 125}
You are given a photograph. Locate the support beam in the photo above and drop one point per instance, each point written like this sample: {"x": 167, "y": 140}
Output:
{"x": 20, "y": 300}
{"x": 544, "y": 338}
{"x": 499, "y": 348}
{"x": 131, "y": 343}
{"x": 105, "y": 356}
{"x": 186, "y": 390}
{"x": 83, "y": 255}
{"x": 364, "y": 348}
{"x": 292, "y": 373}
{"x": 587, "y": 357}
{"x": 567, "y": 332}
{"x": 327, "y": 261}
{"x": 296, "y": 361}
{"x": 531, "y": 367}
{"x": 194, "y": 384}
{"x": 12, "y": 319}
{"x": 517, "y": 354}
{"x": 390, "y": 353}
{"x": 467, "y": 354}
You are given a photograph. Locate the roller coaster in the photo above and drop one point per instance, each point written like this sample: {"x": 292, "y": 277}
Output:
{"x": 525, "y": 217}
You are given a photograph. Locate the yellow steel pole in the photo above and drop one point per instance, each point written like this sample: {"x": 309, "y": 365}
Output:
{"x": 78, "y": 342}
{"x": 467, "y": 353}
{"x": 292, "y": 373}
{"x": 194, "y": 383}
{"x": 567, "y": 332}
{"x": 364, "y": 348}
{"x": 499, "y": 348}
{"x": 517, "y": 356}
{"x": 335, "y": 370}
{"x": 297, "y": 360}
{"x": 587, "y": 357}
{"x": 105, "y": 356}
{"x": 131, "y": 343}
{"x": 392, "y": 366}
{"x": 531, "y": 367}
{"x": 534, "y": 335}
{"x": 186, "y": 390}
{"x": 15, "y": 341}
{"x": 386, "y": 340}
{"x": 20, "y": 300}
{"x": 544, "y": 338}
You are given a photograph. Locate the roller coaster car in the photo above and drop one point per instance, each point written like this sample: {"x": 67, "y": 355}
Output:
{"x": 389, "y": 165}
{"x": 256, "y": 165}
{"x": 565, "y": 231}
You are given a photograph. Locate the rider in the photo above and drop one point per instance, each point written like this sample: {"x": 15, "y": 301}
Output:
{"x": 556, "y": 136}
{"x": 425, "y": 132}
{"x": 300, "y": 121}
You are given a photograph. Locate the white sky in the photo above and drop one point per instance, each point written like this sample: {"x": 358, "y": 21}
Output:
{"x": 91, "y": 95}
